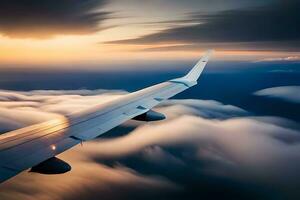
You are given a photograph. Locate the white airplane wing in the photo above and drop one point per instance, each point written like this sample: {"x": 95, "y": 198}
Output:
{"x": 30, "y": 146}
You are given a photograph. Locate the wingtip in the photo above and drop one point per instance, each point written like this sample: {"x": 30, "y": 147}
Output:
{"x": 196, "y": 71}
{"x": 191, "y": 78}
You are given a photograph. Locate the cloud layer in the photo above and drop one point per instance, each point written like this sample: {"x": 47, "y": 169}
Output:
{"x": 204, "y": 149}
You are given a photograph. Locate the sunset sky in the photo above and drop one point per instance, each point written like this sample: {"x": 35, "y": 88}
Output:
{"x": 234, "y": 135}
{"x": 93, "y": 33}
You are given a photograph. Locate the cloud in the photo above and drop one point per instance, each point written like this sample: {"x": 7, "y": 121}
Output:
{"x": 42, "y": 105}
{"x": 202, "y": 148}
{"x": 40, "y": 19}
{"x": 19, "y": 109}
{"x": 275, "y": 22}
{"x": 237, "y": 151}
{"x": 205, "y": 108}
{"x": 289, "y": 58}
{"x": 87, "y": 180}
{"x": 287, "y": 93}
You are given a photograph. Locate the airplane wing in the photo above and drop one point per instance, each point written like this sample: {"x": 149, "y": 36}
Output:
{"x": 27, "y": 147}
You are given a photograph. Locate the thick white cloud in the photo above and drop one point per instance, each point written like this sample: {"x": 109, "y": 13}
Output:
{"x": 19, "y": 109}
{"x": 287, "y": 93}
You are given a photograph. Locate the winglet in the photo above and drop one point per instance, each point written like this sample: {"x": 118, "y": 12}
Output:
{"x": 195, "y": 73}
{"x": 191, "y": 78}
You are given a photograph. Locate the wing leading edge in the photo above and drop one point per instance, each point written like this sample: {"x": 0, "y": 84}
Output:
{"x": 24, "y": 148}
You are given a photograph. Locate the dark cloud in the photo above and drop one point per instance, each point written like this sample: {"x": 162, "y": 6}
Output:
{"x": 276, "y": 22}
{"x": 35, "y": 18}
{"x": 287, "y": 46}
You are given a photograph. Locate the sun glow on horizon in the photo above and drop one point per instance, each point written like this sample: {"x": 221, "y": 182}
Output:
{"x": 92, "y": 50}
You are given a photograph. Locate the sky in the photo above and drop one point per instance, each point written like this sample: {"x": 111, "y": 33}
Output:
{"x": 94, "y": 33}
{"x": 235, "y": 135}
